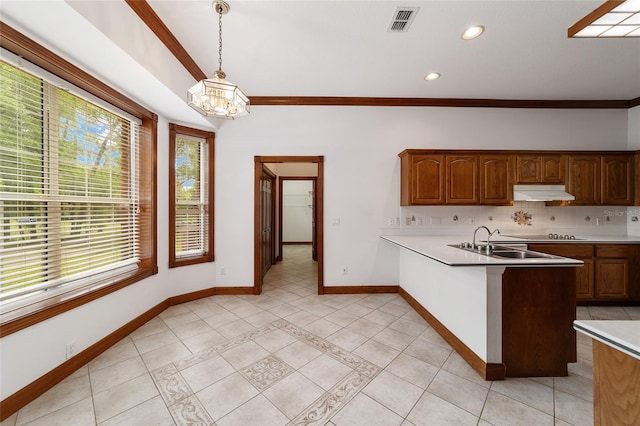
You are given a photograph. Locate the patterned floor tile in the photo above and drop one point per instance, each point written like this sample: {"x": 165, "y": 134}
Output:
{"x": 290, "y": 356}
{"x": 266, "y": 372}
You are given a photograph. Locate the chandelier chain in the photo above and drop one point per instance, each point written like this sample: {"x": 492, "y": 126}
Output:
{"x": 220, "y": 39}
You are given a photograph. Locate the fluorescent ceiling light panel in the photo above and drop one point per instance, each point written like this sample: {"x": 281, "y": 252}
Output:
{"x": 614, "y": 18}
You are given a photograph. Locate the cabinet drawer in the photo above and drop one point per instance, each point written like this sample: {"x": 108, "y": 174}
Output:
{"x": 565, "y": 250}
{"x": 612, "y": 250}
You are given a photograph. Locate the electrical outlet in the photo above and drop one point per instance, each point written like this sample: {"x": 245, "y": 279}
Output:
{"x": 390, "y": 221}
{"x": 407, "y": 220}
{"x": 472, "y": 220}
{"x": 223, "y": 272}
{"x": 435, "y": 220}
{"x": 345, "y": 270}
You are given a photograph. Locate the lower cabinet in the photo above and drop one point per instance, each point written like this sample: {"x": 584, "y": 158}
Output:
{"x": 612, "y": 271}
{"x": 609, "y": 272}
{"x": 585, "y": 280}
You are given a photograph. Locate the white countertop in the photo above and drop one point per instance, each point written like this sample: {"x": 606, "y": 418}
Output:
{"x": 436, "y": 248}
{"x": 621, "y": 335}
{"x": 582, "y": 239}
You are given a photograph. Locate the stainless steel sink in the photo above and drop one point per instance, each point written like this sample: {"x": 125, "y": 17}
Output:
{"x": 503, "y": 252}
{"x": 518, "y": 254}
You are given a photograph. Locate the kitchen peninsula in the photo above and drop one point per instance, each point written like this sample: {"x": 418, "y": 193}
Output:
{"x": 505, "y": 317}
{"x": 616, "y": 370}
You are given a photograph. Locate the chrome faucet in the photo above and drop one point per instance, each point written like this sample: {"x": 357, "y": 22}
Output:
{"x": 488, "y": 238}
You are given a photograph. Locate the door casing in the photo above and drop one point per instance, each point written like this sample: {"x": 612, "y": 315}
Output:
{"x": 259, "y": 162}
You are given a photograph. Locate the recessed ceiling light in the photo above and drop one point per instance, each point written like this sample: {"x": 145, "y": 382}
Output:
{"x": 432, "y": 76}
{"x": 472, "y": 32}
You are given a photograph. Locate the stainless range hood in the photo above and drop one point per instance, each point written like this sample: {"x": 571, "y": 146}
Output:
{"x": 541, "y": 193}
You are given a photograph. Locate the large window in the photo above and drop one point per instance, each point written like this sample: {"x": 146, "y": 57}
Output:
{"x": 77, "y": 185}
{"x": 190, "y": 196}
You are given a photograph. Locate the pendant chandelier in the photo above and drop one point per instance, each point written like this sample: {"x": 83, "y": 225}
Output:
{"x": 217, "y": 96}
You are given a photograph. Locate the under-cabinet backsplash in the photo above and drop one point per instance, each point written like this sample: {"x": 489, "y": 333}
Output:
{"x": 521, "y": 218}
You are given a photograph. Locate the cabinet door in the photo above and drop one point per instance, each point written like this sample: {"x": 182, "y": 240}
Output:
{"x": 636, "y": 178}
{"x": 585, "y": 277}
{"x": 617, "y": 180}
{"x": 585, "y": 280}
{"x": 553, "y": 169}
{"x": 528, "y": 169}
{"x": 427, "y": 180}
{"x": 462, "y": 179}
{"x": 612, "y": 279}
{"x": 495, "y": 180}
{"x": 584, "y": 179}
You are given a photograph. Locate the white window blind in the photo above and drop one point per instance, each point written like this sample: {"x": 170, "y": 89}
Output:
{"x": 68, "y": 197}
{"x": 192, "y": 197}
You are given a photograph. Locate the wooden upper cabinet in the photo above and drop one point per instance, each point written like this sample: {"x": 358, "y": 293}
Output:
{"x": 496, "y": 185}
{"x": 543, "y": 169}
{"x": 466, "y": 177}
{"x": 422, "y": 179}
{"x": 617, "y": 180}
{"x": 427, "y": 182}
{"x": 428, "y": 179}
{"x": 528, "y": 169}
{"x": 584, "y": 179}
{"x": 462, "y": 179}
{"x": 554, "y": 169}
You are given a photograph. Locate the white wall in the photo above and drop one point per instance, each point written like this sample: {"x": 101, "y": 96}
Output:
{"x": 634, "y": 128}
{"x": 360, "y": 146}
{"x": 297, "y": 210}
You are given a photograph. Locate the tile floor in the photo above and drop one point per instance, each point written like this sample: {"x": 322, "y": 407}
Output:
{"x": 290, "y": 356}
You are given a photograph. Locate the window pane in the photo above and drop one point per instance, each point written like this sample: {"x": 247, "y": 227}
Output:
{"x": 21, "y": 148}
{"x": 187, "y": 169}
{"x": 93, "y": 149}
{"x": 189, "y": 230}
{"x": 68, "y": 201}
{"x": 190, "y": 235}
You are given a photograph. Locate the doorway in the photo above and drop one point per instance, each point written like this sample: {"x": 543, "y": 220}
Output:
{"x": 260, "y": 225}
{"x": 297, "y": 212}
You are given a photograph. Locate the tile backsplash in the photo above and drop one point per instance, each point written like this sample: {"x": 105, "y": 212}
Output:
{"x": 521, "y": 218}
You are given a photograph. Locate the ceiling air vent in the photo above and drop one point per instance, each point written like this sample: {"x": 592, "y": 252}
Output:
{"x": 402, "y": 18}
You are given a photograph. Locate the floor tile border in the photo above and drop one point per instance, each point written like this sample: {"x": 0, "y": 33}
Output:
{"x": 186, "y": 408}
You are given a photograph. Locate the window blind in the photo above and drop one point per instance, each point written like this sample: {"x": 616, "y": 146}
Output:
{"x": 191, "y": 196}
{"x": 68, "y": 188}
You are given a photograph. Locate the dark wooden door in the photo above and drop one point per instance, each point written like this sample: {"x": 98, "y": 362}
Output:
{"x": 268, "y": 220}
{"x": 314, "y": 240}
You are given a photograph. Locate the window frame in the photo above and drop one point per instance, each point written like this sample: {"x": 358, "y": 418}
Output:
{"x": 209, "y": 137}
{"x": 30, "y": 314}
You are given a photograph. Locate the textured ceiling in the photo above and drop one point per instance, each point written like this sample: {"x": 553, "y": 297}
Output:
{"x": 341, "y": 48}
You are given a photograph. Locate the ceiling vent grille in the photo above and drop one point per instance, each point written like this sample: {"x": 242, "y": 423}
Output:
{"x": 402, "y": 18}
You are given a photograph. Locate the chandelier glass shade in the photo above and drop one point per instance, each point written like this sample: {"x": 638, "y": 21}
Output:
{"x": 217, "y": 96}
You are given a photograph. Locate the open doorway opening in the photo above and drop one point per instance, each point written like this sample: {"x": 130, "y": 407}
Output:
{"x": 297, "y": 213}
{"x": 268, "y": 243}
